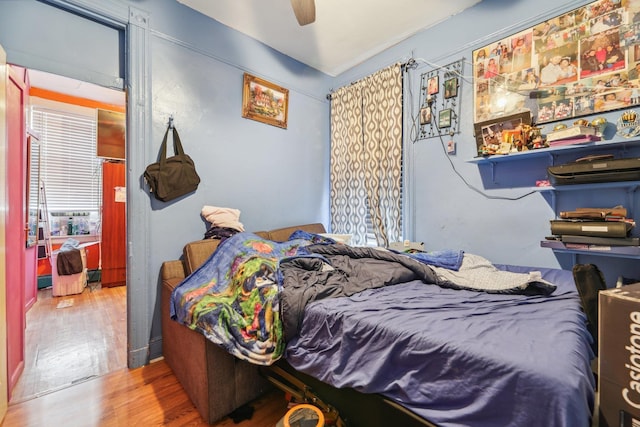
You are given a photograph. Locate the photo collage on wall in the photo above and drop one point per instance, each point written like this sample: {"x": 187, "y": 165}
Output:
{"x": 583, "y": 62}
{"x": 439, "y": 100}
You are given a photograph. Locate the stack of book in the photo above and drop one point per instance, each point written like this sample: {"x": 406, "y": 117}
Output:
{"x": 572, "y": 135}
{"x": 595, "y": 226}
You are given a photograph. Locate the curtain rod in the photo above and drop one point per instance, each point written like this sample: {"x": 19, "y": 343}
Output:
{"x": 411, "y": 63}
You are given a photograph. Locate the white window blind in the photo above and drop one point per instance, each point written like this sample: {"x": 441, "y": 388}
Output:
{"x": 69, "y": 167}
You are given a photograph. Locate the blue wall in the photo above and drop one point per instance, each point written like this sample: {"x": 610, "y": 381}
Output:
{"x": 279, "y": 177}
{"x": 276, "y": 177}
{"x": 443, "y": 211}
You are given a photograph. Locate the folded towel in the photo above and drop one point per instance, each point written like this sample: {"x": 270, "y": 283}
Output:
{"x": 448, "y": 259}
{"x": 69, "y": 259}
{"x": 222, "y": 217}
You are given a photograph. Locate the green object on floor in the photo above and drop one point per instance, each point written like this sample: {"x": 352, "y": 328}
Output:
{"x": 92, "y": 276}
{"x": 44, "y": 281}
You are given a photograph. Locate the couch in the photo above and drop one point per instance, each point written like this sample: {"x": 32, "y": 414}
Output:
{"x": 216, "y": 382}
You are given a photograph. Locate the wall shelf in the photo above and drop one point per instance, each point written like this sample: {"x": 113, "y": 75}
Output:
{"x": 575, "y": 248}
{"x": 632, "y": 185}
{"x": 609, "y": 251}
{"x": 551, "y": 152}
{"x": 550, "y": 156}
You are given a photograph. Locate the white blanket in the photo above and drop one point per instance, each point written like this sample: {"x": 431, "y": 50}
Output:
{"x": 478, "y": 273}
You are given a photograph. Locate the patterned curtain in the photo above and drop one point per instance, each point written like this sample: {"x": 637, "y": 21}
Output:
{"x": 348, "y": 192}
{"x": 366, "y": 157}
{"x": 382, "y": 124}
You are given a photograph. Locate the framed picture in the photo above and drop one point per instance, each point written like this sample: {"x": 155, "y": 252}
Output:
{"x": 444, "y": 118}
{"x": 451, "y": 147}
{"x": 432, "y": 85}
{"x": 264, "y": 101}
{"x": 451, "y": 88}
{"x": 578, "y": 63}
{"x": 492, "y": 136}
{"x": 425, "y": 115}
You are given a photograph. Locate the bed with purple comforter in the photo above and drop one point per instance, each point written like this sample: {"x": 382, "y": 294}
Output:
{"x": 467, "y": 344}
{"x": 457, "y": 357}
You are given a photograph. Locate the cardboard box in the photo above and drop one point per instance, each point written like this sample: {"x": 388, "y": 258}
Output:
{"x": 619, "y": 356}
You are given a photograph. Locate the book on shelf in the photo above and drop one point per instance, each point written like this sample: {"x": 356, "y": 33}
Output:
{"x": 582, "y": 139}
{"x": 595, "y": 213}
{"x": 613, "y": 218}
{"x": 571, "y": 132}
{"x": 590, "y": 228}
{"x": 606, "y": 241}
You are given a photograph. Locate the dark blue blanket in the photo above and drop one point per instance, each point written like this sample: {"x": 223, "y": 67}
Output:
{"x": 457, "y": 357}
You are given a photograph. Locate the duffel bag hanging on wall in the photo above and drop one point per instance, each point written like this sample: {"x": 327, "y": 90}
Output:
{"x": 172, "y": 177}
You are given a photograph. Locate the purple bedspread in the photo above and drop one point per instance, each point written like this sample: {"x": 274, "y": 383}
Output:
{"x": 457, "y": 357}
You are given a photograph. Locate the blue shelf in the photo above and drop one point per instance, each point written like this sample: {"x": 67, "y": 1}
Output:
{"x": 590, "y": 186}
{"x": 628, "y": 252}
{"x": 549, "y": 152}
{"x": 609, "y": 251}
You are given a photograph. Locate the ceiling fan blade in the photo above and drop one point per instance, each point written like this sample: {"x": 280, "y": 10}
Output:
{"x": 305, "y": 11}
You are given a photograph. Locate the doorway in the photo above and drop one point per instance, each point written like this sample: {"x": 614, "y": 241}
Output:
{"x": 73, "y": 336}
{"x": 109, "y": 43}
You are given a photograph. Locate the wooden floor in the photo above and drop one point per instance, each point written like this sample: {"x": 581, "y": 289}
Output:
{"x": 68, "y": 345}
{"x": 147, "y": 396}
{"x": 75, "y": 372}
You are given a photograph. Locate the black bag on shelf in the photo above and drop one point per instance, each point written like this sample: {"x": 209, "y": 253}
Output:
{"x": 592, "y": 169}
{"x": 172, "y": 177}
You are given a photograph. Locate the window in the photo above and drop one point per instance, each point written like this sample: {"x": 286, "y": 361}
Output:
{"x": 70, "y": 170}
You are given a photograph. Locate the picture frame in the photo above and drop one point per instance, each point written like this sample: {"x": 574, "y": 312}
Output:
{"x": 578, "y": 63}
{"x": 490, "y": 132}
{"x": 264, "y": 101}
{"x": 444, "y": 118}
{"x": 451, "y": 147}
{"x": 433, "y": 84}
{"x": 425, "y": 116}
{"x": 451, "y": 88}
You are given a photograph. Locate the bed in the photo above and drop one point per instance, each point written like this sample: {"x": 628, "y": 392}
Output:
{"x": 430, "y": 333}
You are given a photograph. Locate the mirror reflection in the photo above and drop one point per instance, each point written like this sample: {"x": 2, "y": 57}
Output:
{"x": 33, "y": 189}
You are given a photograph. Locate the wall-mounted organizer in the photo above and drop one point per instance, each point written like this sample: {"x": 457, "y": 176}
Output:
{"x": 440, "y": 91}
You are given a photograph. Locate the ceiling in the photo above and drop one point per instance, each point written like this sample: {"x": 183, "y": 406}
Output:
{"x": 77, "y": 88}
{"x": 345, "y": 33}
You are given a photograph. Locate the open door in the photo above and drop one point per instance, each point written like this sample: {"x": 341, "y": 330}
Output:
{"x": 4, "y": 388}
{"x": 16, "y": 96}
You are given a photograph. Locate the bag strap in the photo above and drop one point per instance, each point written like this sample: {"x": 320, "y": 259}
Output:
{"x": 177, "y": 145}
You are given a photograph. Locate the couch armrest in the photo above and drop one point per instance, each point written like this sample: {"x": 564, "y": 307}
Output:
{"x": 172, "y": 270}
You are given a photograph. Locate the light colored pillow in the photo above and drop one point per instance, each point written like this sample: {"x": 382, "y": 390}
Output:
{"x": 340, "y": 238}
{"x": 407, "y": 246}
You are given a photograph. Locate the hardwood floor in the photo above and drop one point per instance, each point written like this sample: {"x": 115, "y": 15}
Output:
{"x": 64, "y": 346}
{"x": 76, "y": 375}
{"x": 147, "y": 396}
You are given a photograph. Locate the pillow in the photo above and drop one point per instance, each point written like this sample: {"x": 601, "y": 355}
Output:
{"x": 339, "y": 238}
